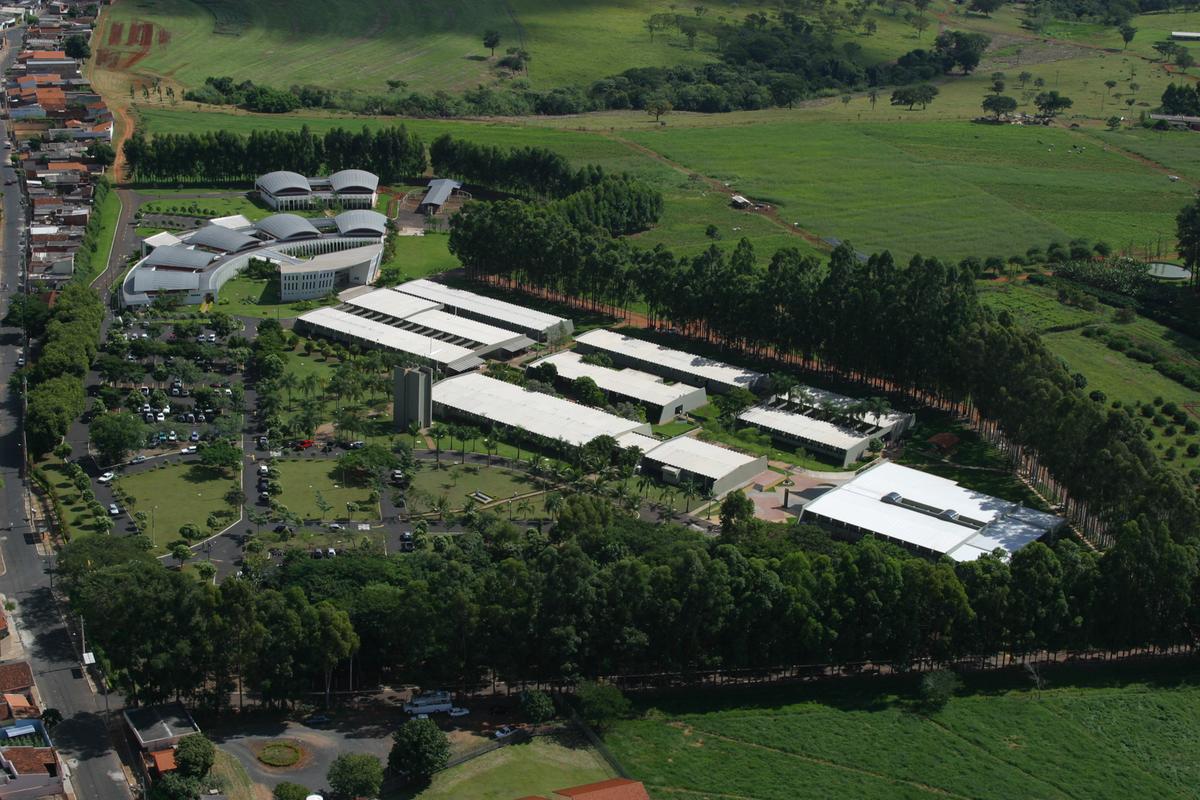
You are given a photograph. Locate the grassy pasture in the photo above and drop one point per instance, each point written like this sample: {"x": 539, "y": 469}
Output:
{"x": 863, "y": 739}
{"x": 363, "y": 45}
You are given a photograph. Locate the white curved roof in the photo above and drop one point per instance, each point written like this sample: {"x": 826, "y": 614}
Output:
{"x": 179, "y": 257}
{"x": 361, "y": 221}
{"x": 282, "y": 180}
{"x": 219, "y": 237}
{"x": 346, "y": 179}
{"x": 287, "y": 226}
{"x": 155, "y": 280}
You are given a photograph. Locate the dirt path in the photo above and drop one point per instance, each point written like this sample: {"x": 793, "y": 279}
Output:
{"x": 766, "y": 211}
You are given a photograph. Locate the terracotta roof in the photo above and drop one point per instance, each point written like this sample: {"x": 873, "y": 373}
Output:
{"x": 15, "y": 700}
{"x": 28, "y": 54}
{"x": 32, "y": 760}
{"x": 15, "y": 676}
{"x": 164, "y": 760}
{"x": 66, "y": 166}
{"x": 611, "y": 789}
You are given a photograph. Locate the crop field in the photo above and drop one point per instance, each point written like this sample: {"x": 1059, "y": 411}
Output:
{"x": 866, "y": 740}
{"x": 363, "y": 45}
{"x": 1033, "y": 307}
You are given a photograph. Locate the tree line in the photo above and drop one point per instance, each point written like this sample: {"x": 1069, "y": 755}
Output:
{"x": 602, "y": 593}
{"x": 1182, "y": 100}
{"x": 219, "y": 156}
{"x": 55, "y": 380}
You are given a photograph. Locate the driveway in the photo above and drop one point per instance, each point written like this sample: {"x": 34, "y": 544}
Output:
{"x": 324, "y": 744}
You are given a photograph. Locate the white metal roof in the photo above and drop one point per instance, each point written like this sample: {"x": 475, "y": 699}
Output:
{"x": 391, "y": 303}
{"x": 338, "y": 259}
{"x": 639, "y": 440}
{"x": 162, "y": 239}
{"x": 387, "y": 336}
{"x": 804, "y": 427}
{"x": 699, "y": 458}
{"x": 235, "y": 221}
{"x": 841, "y": 402}
{"x": 700, "y": 366}
{"x": 870, "y": 502}
{"x": 464, "y": 328}
{"x": 541, "y": 414}
{"x": 148, "y": 279}
{"x": 626, "y": 382}
{"x": 479, "y": 304}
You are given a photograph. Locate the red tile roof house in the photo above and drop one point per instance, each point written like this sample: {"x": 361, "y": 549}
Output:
{"x": 611, "y": 789}
{"x": 29, "y": 764}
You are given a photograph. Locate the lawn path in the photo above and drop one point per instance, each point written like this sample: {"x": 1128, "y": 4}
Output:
{"x": 922, "y": 787}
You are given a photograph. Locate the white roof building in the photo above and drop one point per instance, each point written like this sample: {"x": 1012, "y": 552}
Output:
{"x": 391, "y": 304}
{"x": 478, "y": 397}
{"x": 528, "y": 321}
{"x": 338, "y": 324}
{"x": 929, "y": 513}
{"x": 663, "y": 401}
{"x": 829, "y": 438}
{"x": 713, "y": 375}
{"x": 718, "y": 469}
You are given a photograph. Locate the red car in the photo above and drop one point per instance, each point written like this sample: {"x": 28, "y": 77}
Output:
{"x": 305, "y": 444}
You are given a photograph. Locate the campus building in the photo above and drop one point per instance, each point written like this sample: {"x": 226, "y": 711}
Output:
{"x": 827, "y": 423}
{"x": 676, "y": 365}
{"x": 536, "y": 324}
{"x": 439, "y": 191}
{"x": 707, "y": 467}
{"x": 291, "y": 191}
{"x": 315, "y": 257}
{"x": 928, "y": 514}
{"x": 662, "y": 401}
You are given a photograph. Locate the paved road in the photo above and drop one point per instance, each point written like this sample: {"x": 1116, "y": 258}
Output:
{"x": 82, "y": 738}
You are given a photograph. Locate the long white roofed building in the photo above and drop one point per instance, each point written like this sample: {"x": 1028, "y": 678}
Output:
{"x": 290, "y": 191}
{"x": 662, "y": 401}
{"x": 536, "y": 324}
{"x": 715, "y": 376}
{"x": 929, "y": 514}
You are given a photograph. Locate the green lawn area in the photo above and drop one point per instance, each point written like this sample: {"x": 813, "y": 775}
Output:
{"x": 537, "y": 767}
{"x": 1116, "y": 374}
{"x": 458, "y": 481}
{"x": 174, "y": 496}
{"x": 207, "y": 206}
{"x": 750, "y": 440}
{"x": 676, "y": 427}
{"x": 301, "y": 480}
{"x": 1090, "y": 735}
{"x": 231, "y": 777}
{"x": 91, "y": 264}
{"x": 250, "y": 297}
{"x": 420, "y": 256}
{"x": 362, "y": 45}
{"x": 78, "y": 519}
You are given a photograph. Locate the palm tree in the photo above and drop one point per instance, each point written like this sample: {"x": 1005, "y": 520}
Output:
{"x": 288, "y": 382}
{"x": 690, "y": 492}
{"x": 553, "y": 504}
{"x": 441, "y": 507}
{"x": 258, "y": 519}
{"x": 525, "y": 509}
{"x": 490, "y": 444}
{"x": 437, "y": 432}
{"x": 311, "y": 385}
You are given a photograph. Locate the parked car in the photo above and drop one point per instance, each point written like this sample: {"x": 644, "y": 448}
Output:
{"x": 282, "y": 528}
{"x": 357, "y": 445}
{"x": 459, "y": 712}
{"x": 159, "y": 417}
{"x": 188, "y": 450}
{"x": 263, "y": 497}
{"x": 20, "y": 361}
{"x": 504, "y": 731}
{"x": 114, "y": 510}
{"x": 330, "y": 553}
{"x": 106, "y": 477}
{"x": 304, "y": 444}
{"x": 335, "y": 526}
{"x": 316, "y": 719}
{"x": 194, "y": 437}
{"x": 172, "y": 437}
{"x": 137, "y": 459}
{"x": 263, "y": 469}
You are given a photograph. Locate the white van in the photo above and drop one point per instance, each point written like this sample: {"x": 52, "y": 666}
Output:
{"x": 429, "y": 703}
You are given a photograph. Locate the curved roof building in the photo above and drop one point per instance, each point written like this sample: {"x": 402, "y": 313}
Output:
{"x": 287, "y": 227}
{"x": 288, "y": 191}
{"x": 361, "y": 222}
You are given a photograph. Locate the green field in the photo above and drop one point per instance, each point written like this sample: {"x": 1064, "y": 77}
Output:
{"x": 420, "y": 256}
{"x": 301, "y": 479}
{"x": 174, "y": 496}
{"x": 93, "y": 263}
{"x": 536, "y": 767}
{"x": 78, "y": 519}
{"x": 1089, "y": 735}
{"x": 458, "y": 481}
{"x": 207, "y": 207}
{"x": 363, "y": 45}
{"x": 251, "y": 297}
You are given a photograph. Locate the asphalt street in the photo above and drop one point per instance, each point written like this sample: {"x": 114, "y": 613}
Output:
{"x": 82, "y": 738}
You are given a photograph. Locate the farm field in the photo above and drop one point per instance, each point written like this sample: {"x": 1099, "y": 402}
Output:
{"x": 1091, "y": 735}
{"x": 360, "y": 46}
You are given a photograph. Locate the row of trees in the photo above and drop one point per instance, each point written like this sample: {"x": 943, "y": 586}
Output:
{"x": 56, "y": 396}
{"x": 604, "y": 593}
{"x": 1183, "y": 100}
{"x": 536, "y": 172}
{"x": 217, "y": 156}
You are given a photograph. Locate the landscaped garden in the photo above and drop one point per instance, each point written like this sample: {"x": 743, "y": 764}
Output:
{"x": 78, "y": 516}
{"x": 460, "y": 482}
{"x": 173, "y": 496}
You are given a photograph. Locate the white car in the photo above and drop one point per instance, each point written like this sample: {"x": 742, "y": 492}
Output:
{"x": 160, "y": 417}
{"x": 114, "y": 510}
{"x": 504, "y": 732}
{"x": 188, "y": 450}
{"x": 106, "y": 477}
{"x": 459, "y": 712}
{"x": 263, "y": 469}
{"x": 137, "y": 459}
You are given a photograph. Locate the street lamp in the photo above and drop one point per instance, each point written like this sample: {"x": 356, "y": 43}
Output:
{"x": 787, "y": 484}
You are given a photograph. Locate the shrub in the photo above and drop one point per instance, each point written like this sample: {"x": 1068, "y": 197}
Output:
{"x": 537, "y": 706}
{"x": 601, "y": 704}
{"x": 290, "y": 791}
{"x": 194, "y": 755}
{"x": 937, "y": 688}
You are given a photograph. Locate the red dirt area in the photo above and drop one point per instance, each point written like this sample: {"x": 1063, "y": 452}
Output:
{"x": 135, "y": 32}
{"x": 146, "y": 35}
{"x": 164, "y": 36}
{"x": 114, "y": 33}
{"x": 107, "y": 58}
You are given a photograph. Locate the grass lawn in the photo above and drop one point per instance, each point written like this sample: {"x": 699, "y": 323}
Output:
{"x": 250, "y": 297}
{"x": 420, "y": 256}
{"x": 1116, "y": 374}
{"x": 675, "y": 427}
{"x": 537, "y": 767}
{"x": 1090, "y": 735}
{"x": 109, "y": 212}
{"x": 458, "y": 481}
{"x": 751, "y": 440}
{"x": 207, "y": 206}
{"x": 303, "y": 478}
{"x": 175, "y": 495}
{"x": 231, "y": 777}
{"x": 78, "y": 519}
